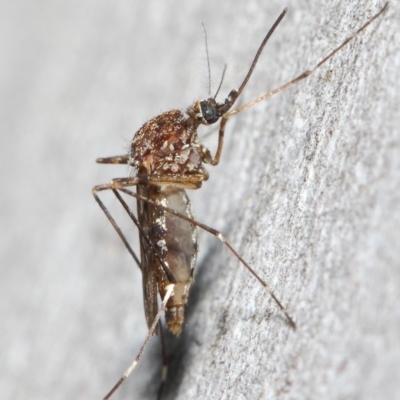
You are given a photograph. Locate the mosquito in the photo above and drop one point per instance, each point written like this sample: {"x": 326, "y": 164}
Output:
{"x": 168, "y": 158}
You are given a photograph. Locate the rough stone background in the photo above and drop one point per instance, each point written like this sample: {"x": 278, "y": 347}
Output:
{"x": 308, "y": 191}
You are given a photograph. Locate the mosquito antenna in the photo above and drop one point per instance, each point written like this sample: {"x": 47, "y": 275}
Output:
{"x": 220, "y": 83}
{"x": 221, "y": 238}
{"x": 208, "y": 58}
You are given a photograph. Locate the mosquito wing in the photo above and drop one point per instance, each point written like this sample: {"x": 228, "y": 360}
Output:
{"x": 149, "y": 288}
{"x": 148, "y": 259}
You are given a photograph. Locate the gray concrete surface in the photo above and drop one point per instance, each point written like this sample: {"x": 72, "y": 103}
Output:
{"x": 307, "y": 191}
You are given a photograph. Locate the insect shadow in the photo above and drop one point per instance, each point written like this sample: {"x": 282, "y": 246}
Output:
{"x": 168, "y": 157}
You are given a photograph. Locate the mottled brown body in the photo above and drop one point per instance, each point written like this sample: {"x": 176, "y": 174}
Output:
{"x": 176, "y": 242}
{"x": 167, "y": 147}
{"x": 168, "y": 158}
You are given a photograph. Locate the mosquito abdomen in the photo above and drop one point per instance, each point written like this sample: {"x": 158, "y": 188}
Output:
{"x": 181, "y": 243}
{"x": 175, "y": 240}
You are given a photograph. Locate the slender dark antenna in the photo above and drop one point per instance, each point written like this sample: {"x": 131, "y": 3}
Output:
{"x": 208, "y": 59}
{"x": 220, "y": 83}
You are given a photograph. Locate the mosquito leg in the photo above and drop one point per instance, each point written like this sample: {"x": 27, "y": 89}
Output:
{"x": 234, "y": 94}
{"x": 164, "y": 370}
{"x": 116, "y": 227}
{"x": 114, "y": 160}
{"x": 169, "y": 292}
{"x": 224, "y": 241}
{"x": 305, "y": 74}
{"x": 299, "y": 78}
{"x": 118, "y": 183}
{"x": 193, "y": 182}
{"x": 259, "y": 51}
{"x": 221, "y": 134}
{"x": 165, "y": 267}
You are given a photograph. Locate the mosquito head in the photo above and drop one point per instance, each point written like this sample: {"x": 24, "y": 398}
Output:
{"x": 209, "y": 111}
{"x": 205, "y": 112}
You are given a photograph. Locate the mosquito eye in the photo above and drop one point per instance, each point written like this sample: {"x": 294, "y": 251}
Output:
{"x": 209, "y": 112}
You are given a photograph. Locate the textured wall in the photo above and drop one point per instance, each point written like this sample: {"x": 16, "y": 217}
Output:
{"x": 307, "y": 191}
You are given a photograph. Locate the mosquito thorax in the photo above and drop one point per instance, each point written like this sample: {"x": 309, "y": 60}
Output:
{"x": 168, "y": 144}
